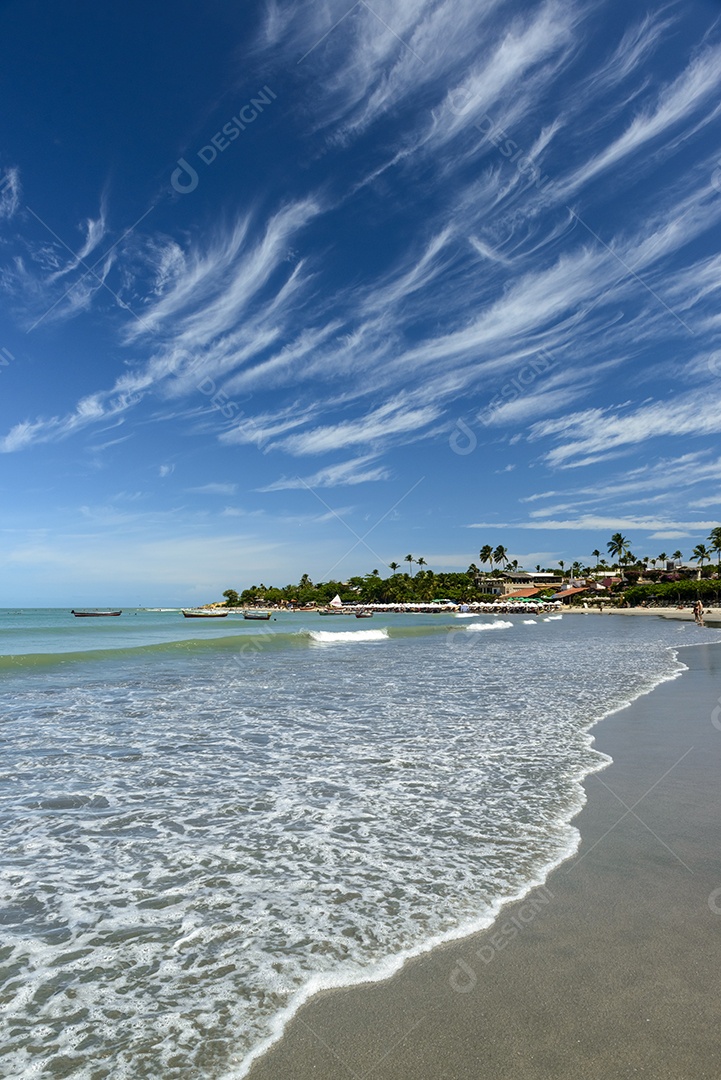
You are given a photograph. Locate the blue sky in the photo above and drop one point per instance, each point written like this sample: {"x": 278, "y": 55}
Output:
{"x": 304, "y": 287}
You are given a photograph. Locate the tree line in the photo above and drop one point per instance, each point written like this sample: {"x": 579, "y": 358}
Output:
{"x": 424, "y": 585}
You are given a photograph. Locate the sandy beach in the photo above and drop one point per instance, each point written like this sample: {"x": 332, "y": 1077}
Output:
{"x": 712, "y": 615}
{"x": 608, "y": 970}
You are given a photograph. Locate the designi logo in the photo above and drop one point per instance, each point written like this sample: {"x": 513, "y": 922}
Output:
{"x": 184, "y": 178}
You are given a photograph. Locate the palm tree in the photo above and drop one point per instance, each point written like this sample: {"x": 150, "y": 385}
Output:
{"x": 700, "y": 555}
{"x": 409, "y": 559}
{"x": 500, "y": 556}
{"x": 421, "y": 561}
{"x": 618, "y": 548}
{"x": 677, "y": 556}
{"x": 394, "y": 566}
{"x": 485, "y": 555}
{"x": 597, "y": 555}
{"x": 714, "y": 538}
{"x": 663, "y": 557}
{"x": 561, "y": 563}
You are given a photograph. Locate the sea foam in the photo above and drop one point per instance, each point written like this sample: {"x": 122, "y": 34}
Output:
{"x": 333, "y": 637}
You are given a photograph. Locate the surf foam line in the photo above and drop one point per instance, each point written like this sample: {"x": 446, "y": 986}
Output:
{"x": 388, "y": 967}
{"x": 500, "y": 624}
{"x": 334, "y": 637}
{"x": 391, "y": 965}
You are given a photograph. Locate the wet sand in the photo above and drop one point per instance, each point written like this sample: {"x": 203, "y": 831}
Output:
{"x": 609, "y": 971}
{"x": 712, "y": 615}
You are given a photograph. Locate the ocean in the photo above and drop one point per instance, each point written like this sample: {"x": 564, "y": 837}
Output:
{"x": 204, "y": 822}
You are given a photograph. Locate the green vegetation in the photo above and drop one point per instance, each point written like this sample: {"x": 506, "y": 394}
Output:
{"x": 421, "y": 588}
{"x": 668, "y": 584}
{"x": 671, "y": 593}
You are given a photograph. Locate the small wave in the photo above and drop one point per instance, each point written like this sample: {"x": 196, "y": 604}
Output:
{"x": 529, "y": 622}
{"x": 329, "y": 637}
{"x": 552, "y": 618}
{"x": 500, "y": 624}
{"x": 465, "y": 615}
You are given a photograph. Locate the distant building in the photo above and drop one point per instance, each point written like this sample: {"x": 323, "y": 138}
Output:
{"x": 494, "y": 586}
{"x": 565, "y": 594}
{"x": 538, "y": 579}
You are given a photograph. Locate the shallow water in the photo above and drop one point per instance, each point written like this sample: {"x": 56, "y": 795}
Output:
{"x": 204, "y": 824}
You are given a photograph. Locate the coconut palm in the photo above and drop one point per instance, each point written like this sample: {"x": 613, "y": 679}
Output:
{"x": 500, "y": 556}
{"x": 410, "y": 560}
{"x": 421, "y": 561}
{"x": 714, "y": 539}
{"x": 619, "y": 548}
{"x": 663, "y": 557}
{"x": 677, "y": 556}
{"x": 700, "y": 554}
{"x": 485, "y": 555}
{"x": 394, "y": 566}
{"x": 597, "y": 555}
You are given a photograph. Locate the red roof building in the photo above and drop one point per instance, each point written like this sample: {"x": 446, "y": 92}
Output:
{"x": 566, "y": 594}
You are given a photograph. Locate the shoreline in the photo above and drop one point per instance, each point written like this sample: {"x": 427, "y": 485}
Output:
{"x": 712, "y": 615}
{"x": 570, "y": 973}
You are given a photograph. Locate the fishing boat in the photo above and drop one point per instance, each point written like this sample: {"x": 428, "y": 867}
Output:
{"x": 259, "y": 616}
{"x": 93, "y": 613}
{"x": 204, "y": 614}
{"x": 364, "y": 614}
{"x": 332, "y": 611}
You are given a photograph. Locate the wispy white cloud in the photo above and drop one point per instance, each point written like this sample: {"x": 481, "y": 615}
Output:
{"x": 394, "y": 418}
{"x": 10, "y": 191}
{"x": 214, "y": 488}
{"x": 599, "y": 523}
{"x": 450, "y": 312}
{"x": 95, "y": 230}
{"x": 88, "y": 411}
{"x": 592, "y": 434}
{"x": 693, "y": 88}
{"x": 628, "y": 57}
{"x": 360, "y": 470}
{"x": 261, "y": 428}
